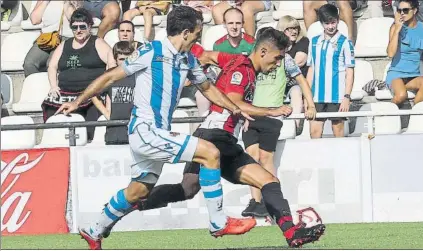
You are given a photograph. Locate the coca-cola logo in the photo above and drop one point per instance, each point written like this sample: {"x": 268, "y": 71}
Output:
{"x": 15, "y": 168}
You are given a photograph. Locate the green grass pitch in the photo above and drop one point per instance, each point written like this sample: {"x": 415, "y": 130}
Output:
{"x": 337, "y": 236}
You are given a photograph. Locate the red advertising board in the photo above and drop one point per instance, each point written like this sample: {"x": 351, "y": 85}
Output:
{"x": 34, "y": 187}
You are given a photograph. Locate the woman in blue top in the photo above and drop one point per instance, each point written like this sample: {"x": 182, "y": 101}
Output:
{"x": 406, "y": 48}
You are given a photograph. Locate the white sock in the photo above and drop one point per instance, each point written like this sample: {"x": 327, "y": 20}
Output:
{"x": 213, "y": 194}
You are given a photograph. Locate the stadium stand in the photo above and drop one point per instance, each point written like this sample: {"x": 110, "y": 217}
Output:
{"x": 14, "y": 48}
{"x": 363, "y": 74}
{"x": 180, "y": 127}
{"x": 288, "y": 130}
{"x": 6, "y": 91}
{"x": 22, "y": 139}
{"x": 26, "y": 24}
{"x": 16, "y": 20}
{"x": 212, "y": 35}
{"x": 99, "y": 133}
{"x": 371, "y": 43}
{"x": 373, "y": 37}
{"x": 35, "y": 88}
{"x": 292, "y": 8}
{"x": 388, "y": 124}
{"x": 416, "y": 121}
{"x": 60, "y": 137}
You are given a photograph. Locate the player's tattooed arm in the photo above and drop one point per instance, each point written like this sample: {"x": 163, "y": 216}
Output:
{"x": 217, "y": 97}
{"x": 252, "y": 110}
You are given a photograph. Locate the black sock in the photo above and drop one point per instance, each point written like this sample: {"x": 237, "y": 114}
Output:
{"x": 276, "y": 205}
{"x": 163, "y": 194}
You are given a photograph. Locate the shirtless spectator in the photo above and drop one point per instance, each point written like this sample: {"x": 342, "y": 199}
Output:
{"x": 148, "y": 9}
{"x": 49, "y": 14}
{"x": 108, "y": 11}
{"x": 249, "y": 8}
{"x": 345, "y": 12}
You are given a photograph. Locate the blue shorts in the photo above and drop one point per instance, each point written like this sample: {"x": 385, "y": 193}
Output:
{"x": 406, "y": 77}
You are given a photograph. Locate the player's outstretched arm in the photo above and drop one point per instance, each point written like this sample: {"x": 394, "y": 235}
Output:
{"x": 252, "y": 110}
{"x": 99, "y": 84}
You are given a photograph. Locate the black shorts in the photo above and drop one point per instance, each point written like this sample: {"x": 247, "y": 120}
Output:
{"x": 232, "y": 156}
{"x": 264, "y": 131}
{"x": 328, "y": 107}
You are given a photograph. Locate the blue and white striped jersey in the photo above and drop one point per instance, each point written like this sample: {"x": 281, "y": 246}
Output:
{"x": 330, "y": 59}
{"x": 160, "y": 72}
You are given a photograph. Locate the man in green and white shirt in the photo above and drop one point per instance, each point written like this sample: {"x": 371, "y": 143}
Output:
{"x": 262, "y": 135}
{"x": 236, "y": 41}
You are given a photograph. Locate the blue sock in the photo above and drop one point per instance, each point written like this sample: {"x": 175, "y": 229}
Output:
{"x": 117, "y": 207}
{"x": 213, "y": 194}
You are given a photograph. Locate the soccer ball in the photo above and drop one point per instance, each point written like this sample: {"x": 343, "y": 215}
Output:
{"x": 308, "y": 217}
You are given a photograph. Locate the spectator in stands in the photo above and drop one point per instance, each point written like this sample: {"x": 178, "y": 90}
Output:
{"x": 249, "y": 8}
{"x": 6, "y": 9}
{"x": 202, "y": 6}
{"x": 405, "y": 48}
{"x": 345, "y": 11}
{"x": 298, "y": 50}
{"x": 4, "y": 111}
{"x": 419, "y": 14}
{"x": 148, "y": 9}
{"x": 49, "y": 14}
{"x": 108, "y": 11}
{"x": 74, "y": 65}
{"x": 331, "y": 71}
{"x": 260, "y": 136}
{"x": 126, "y": 32}
{"x": 235, "y": 41}
{"x": 119, "y": 98}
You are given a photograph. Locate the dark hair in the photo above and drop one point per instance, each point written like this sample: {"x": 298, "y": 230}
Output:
{"x": 182, "y": 18}
{"x": 232, "y": 9}
{"x": 328, "y": 13}
{"x": 82, "y": 15}
{"x": 122, "y": 47}
{"x": 413, "y": 3}
{"x": 272, "y": 36}
{"x": 127, "y": 22}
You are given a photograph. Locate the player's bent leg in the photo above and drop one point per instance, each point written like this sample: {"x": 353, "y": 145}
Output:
{"x": 254, "y": 152}
{"x": 277, "y": 205}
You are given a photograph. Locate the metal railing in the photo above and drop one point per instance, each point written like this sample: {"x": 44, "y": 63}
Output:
{"x": 370, "y": 115}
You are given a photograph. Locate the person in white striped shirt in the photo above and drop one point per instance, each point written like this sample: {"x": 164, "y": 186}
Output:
{"x": 331, "y": 71}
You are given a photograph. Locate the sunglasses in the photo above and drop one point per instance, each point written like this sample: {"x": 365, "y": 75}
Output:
{"x": 81, "y": 27}
{"x": 293, "y": 28}
{"x": 404, "y": 10}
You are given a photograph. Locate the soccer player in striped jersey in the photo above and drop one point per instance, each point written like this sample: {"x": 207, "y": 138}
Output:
{"x": 331, "y": 71}
{"x": 160, "y": 70}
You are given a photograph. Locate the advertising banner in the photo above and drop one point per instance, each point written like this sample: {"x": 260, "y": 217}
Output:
{"x": 34, "y": 185}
